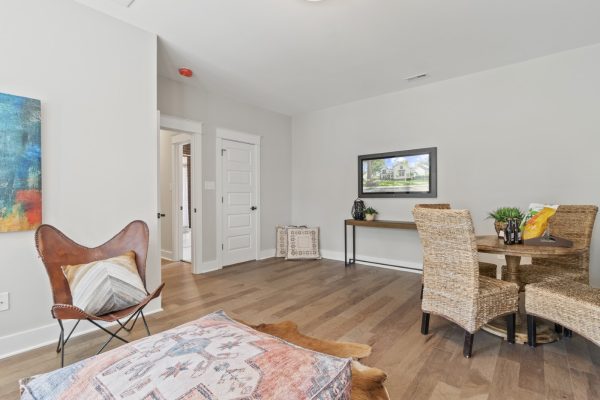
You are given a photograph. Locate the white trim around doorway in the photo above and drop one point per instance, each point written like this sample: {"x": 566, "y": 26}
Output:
{"x": 194, "y": 129}
{"x": 176, "y": 178}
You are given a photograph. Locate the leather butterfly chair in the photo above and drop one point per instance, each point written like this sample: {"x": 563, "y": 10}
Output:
{"x": 57, "y": 250}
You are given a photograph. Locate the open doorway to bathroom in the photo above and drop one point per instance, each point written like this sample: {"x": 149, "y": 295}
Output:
{"x": 180, "y": 193}
{"x": 185, "y": 165}
{"x": 176, "y": 188}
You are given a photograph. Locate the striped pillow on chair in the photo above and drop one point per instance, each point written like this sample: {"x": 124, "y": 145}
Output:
{"x": 104, "y": 286}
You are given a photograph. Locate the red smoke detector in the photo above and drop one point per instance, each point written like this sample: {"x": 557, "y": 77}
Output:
{"x": 186, "y": 72}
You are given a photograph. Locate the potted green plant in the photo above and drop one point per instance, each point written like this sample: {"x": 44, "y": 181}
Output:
{"x": 502, "y": 215}
{"x": 370, "y": 213}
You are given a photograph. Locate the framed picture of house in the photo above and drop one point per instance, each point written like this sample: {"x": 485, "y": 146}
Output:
{"x": 407, "y": 173}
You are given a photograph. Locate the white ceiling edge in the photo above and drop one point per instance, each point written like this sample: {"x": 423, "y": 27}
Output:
{"x": 303, "y": 57}
{"x": 429, "y": 81}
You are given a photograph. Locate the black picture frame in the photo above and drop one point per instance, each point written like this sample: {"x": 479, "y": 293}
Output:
{"x": 432, "y": 193}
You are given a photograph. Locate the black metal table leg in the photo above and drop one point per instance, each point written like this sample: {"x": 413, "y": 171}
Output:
{"x": 345, "y": 244}
{"x": 353, "y": 243}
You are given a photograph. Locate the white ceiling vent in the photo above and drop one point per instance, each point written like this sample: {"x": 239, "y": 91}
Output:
{"x": 124, "y": 3}
{"x": 415, "y": 77}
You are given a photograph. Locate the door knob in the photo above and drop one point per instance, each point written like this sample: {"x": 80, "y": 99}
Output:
{"x": 253, "y": 208}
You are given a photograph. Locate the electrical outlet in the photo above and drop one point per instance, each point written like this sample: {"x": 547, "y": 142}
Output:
{"x": 4, "y": 304}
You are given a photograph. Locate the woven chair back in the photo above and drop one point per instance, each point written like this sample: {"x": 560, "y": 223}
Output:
{"x": 575, "y": 223}
{"x": 450, "y": 259}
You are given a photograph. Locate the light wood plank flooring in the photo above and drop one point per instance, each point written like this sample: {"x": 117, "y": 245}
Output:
{"x": 363, "y": 304}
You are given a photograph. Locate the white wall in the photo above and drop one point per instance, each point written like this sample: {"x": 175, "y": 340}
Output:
{"x": 177, "y": 99}
{"x": 525, "y": 133}
{"x": 166, "y": 200}
{"x": 96, "y": 79}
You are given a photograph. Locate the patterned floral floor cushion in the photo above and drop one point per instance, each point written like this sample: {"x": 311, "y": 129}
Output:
{"x": 104, "y": 286}
{"x": 281, "y": 235}
{"x": 281, "y": 232}
{"x": 211, "y": 358}
{"x": 303, "y": 243}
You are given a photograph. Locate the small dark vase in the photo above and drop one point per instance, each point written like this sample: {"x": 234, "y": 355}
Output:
{"x": 358, "y": 210}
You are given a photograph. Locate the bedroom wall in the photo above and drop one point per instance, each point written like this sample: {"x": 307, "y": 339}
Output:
{"x": 524, "y": 133}
{"x": 185, "y": 101}
{"x": 96, "y": 79}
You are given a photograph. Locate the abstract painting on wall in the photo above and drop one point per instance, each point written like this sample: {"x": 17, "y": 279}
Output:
{"x": 20, "y": 164}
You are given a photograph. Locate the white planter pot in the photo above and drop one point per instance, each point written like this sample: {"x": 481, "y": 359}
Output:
{"x": 370, "y": 217}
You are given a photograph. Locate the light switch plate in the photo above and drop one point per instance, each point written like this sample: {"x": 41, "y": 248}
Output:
{"x": 4, "y": 301}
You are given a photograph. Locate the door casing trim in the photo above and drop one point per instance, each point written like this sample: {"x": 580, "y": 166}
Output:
{"x": 194, "y": 128}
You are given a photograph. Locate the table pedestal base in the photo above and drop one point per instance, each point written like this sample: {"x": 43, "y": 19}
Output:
{"x": 545, "y": 330}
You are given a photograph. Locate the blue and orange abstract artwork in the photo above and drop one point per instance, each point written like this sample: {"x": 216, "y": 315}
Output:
{"x": 20, "y": 164}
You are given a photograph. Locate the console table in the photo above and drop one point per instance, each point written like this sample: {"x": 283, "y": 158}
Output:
{"x": 372, "y": 224}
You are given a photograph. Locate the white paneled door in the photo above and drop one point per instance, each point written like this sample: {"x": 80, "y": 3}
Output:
{"x": 239, "y": 202}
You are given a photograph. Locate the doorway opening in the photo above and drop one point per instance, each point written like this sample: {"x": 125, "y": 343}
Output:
{"x": 180, "y": 192}
{"x": 176, "y": 188}
{"x": 185, "y": 209}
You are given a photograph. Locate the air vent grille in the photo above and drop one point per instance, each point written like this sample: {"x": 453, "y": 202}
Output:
{"x": 415, "y": 77}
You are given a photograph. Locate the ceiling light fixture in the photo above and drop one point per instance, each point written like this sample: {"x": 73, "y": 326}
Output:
{"x": 186, "y": 72}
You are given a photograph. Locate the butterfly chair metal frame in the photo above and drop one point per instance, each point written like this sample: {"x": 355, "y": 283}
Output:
{"x": 57, "y": 250}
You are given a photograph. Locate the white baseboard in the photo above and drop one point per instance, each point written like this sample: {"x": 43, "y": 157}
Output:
{"x": 166, "y": 254}
{"x": 31, "y": 339}
{"x": 264, "y": 254}
{"x": 416, "y": 268}
{"x": 209, "y": 266}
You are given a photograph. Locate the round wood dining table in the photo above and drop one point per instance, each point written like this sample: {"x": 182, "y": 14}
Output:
{"x": 513, "y": 254}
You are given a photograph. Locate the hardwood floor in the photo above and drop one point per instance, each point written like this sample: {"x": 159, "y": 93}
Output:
{"x": 363, "y": 304}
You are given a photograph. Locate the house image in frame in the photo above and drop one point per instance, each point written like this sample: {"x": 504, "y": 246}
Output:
{"x": 399, "y": 172}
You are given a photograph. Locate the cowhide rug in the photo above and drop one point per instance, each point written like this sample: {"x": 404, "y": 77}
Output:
{"x": 367, "y": 382}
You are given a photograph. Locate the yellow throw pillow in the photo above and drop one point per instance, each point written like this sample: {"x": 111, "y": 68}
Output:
{"x": 105, "y": 286}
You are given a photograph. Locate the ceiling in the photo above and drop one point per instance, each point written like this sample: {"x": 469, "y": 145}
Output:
{"x": 295, "y": 56}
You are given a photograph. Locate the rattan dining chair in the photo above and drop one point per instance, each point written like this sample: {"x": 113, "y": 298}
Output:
{"x": 453, "y": 287}
{"x": 57, "y": 250}
{"x": 485, "y": 268}
{"x": 575, "y": 223}
{"x": 572, "y": 305}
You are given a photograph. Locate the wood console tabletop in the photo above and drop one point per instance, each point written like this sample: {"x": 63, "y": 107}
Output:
{"x": 383, "y": 224}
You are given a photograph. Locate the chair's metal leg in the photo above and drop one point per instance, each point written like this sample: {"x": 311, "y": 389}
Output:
{"x": 145, "y": 323}
{"x": 62, "y": 344}
{"x": 137, "y": 314}
{"x": 112, "y": 335}
{"x": 59, "y": 343}
{"x": 58, "y": 346}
